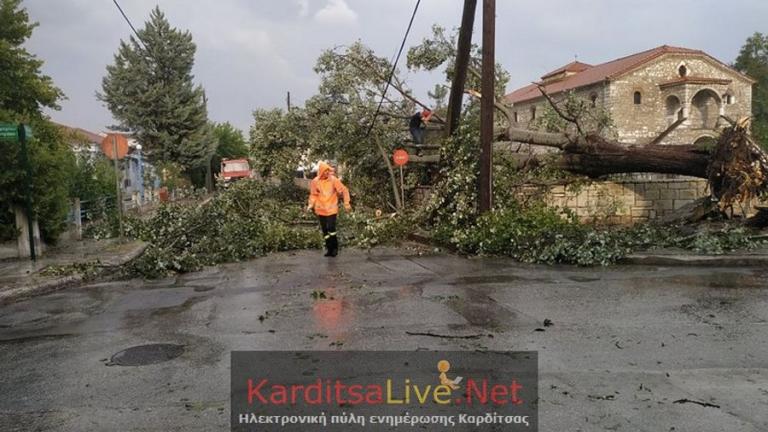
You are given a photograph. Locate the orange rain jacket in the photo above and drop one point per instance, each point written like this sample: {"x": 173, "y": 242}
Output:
{"x": 324, "y": 194}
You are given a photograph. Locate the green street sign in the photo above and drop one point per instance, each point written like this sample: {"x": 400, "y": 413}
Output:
{"x": 10, "y": 131}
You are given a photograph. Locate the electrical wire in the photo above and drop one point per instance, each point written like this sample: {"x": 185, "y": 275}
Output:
{"x": 141, "y": 42}
{"x": 392, "y": 72}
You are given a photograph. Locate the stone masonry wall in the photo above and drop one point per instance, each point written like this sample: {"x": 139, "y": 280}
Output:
{"x": 523, "y": 109}
{"x": 622, "y": 202}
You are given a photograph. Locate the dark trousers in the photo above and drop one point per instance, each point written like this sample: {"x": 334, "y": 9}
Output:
{"x": 418, "y": 135}
{"x": 328, "y": 225}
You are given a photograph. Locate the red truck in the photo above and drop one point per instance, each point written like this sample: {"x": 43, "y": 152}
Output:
{"x": 235, "y": 169}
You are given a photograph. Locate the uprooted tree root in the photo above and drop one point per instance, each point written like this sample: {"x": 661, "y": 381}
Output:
{"x": 738, "y": 168}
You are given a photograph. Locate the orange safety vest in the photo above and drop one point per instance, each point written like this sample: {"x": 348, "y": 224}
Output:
{"x": 324, "y": 194}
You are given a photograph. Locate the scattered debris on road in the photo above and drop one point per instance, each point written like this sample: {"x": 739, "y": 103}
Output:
{"x": 474, "y": 336}
{"x": 704, "y": 404}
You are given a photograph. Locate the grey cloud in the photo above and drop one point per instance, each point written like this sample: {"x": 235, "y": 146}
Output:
{"x": 250, "y": 52}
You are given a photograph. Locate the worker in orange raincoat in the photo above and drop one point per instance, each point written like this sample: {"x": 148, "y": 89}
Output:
{"x": 324, "y": 191}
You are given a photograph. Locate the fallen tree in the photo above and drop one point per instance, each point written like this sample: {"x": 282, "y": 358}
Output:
{"x": 736, "y": 168}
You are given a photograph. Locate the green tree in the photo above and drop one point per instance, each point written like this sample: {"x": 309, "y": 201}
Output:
{"x": 24, "y": 92}
{"x": 439, "y": 50}
{"x": 24, "y": 89}
{"x": 230, "y": 144}
{"x": 150, "y": 90}
{"x": 278, "y": 139}
{"x": 753, "y": 61}
{"x": 94, "y": 179}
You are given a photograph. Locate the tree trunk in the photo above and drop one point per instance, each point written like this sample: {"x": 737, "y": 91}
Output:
{"x": 608, "y": 158}
{"x": 594, "y": 156}
{"x": 736, "y": 169}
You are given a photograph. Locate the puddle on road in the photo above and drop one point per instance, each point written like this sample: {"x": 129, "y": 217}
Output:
{"x": 483, "y": 311}
{"x": 583, "y": 278}
{"x": 146, "y": 355}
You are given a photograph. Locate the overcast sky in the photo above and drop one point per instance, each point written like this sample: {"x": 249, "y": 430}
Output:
{"x": 250, "y": 52}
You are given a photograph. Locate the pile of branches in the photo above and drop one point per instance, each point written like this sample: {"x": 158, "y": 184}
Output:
{"x": 249, "y": 219}
{"x": 738, "y": 168}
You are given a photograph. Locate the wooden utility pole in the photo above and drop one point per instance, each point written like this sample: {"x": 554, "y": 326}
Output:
{"x": 486, "y": 105}
{"x": 288, "y": 101}
{"x": 462, "y": 61}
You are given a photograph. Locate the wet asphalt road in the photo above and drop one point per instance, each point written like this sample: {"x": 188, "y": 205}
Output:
{"x": 626, "y": 342}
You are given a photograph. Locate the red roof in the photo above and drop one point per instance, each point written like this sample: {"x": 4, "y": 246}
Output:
{"x": 574, "y": 66}
{"x": 603, "y": 72}
{"x": 90, "y": 137}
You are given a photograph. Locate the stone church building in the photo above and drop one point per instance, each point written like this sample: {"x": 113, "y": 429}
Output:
{"x": 663, "y": 95}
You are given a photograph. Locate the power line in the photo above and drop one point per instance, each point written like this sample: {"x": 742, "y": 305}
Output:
{"x": 141, "y": 42}
{"x": 392, "y": 72}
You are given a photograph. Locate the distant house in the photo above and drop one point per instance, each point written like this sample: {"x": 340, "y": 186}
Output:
{"x": 82, "y": 140}
{"x": 678, "y": 90}
{"x": 137, "y": 175}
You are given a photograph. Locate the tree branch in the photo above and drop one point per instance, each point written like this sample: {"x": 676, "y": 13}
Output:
{"x": 547, "y": 139}
{"x": 557, "y": 109}
{"x": 395, "y": 86}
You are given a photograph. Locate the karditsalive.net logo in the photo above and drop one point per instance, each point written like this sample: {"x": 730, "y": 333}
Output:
{"x": 392, "y": 391}
{"x": 332, "y": 391}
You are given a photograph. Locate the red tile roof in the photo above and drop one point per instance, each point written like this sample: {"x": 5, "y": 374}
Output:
{"x": 602, "y": 72}
{"x": 81, "y": 134}
{"x": 574, "y": 66}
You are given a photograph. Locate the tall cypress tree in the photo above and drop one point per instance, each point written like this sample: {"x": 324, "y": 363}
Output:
{"x": 149, "y": 89}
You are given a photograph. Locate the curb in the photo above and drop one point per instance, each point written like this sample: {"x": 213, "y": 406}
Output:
{"x": 697, "y": 260}
{"x": 657, "y": 260}
{"x": 50, "y": 285}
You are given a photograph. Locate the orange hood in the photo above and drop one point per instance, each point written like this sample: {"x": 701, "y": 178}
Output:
{"x": 322, "y": 167}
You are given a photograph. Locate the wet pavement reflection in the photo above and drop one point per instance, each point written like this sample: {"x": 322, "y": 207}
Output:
{"x": 680, "y": 332}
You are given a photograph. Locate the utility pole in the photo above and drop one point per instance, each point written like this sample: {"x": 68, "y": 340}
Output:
{"x": 288, "y": 101}
{"x": 486, "y": 105}
{"x": 462, "y": 62}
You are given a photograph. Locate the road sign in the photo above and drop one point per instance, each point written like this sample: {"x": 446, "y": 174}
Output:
{"x": 115, "y": 144}
{"x": 400, "y": 157}
{"x": 10, "y": 132}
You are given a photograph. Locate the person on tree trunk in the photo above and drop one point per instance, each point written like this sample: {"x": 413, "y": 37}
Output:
{"x": 324, "y": 191}
{"x": 417, "y": 124}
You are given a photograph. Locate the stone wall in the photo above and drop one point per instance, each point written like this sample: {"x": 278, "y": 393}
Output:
{"x": 524, "y": 113}
{"x": 622, "y": 202}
